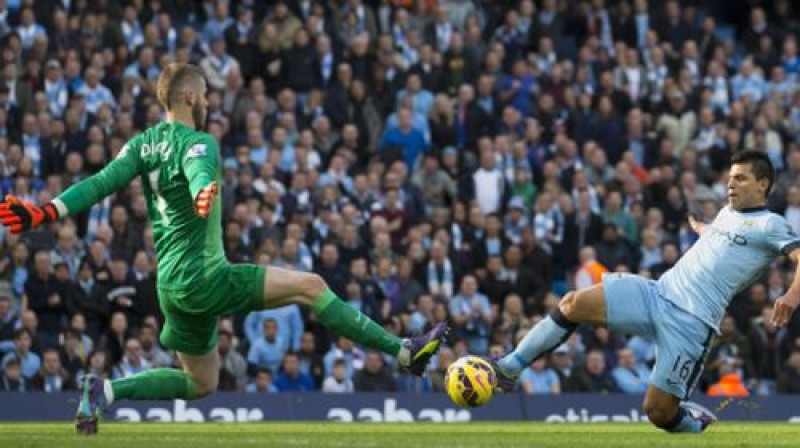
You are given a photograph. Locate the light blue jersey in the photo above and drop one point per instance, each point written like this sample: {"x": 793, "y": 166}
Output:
{"x": 732, "y": 253}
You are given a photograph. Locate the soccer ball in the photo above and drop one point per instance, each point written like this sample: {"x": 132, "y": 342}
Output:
{"x": 470, "y": 381}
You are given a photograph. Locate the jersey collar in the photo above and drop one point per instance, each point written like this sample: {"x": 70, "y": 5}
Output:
{"x": 753, "y": 209}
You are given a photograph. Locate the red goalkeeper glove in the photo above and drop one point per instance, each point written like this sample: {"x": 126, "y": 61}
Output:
{"x": 205, "y": 199}
{"x": 19, "y": 215}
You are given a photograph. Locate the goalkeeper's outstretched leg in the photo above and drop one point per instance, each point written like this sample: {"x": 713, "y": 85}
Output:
{"x": 191, "y": 334}
{"x": 284, "y": 286}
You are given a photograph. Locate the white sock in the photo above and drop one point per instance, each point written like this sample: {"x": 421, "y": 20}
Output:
{"x": 541, "y": 339}
{"x": 108, "y": 391}
{"x": 404, "y": 355}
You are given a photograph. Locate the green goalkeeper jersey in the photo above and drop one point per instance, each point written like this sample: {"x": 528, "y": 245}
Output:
{"x": 174, "y": 162}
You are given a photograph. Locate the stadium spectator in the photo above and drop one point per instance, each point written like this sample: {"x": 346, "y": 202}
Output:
{"x": 29, "y": 362}
{"x": 650, "y": 250}
{"x": 731, "y": 347}
{"x": 669, "y": 256}
{"x": 122, "y": 293}
{"x": 613, "y": 250}
{"x": 218, "y": 64}
{"x": 289, "y": 322}
{"x": 89, "y": 298}
{"x": 591, "y": 270}
{"x": 375, "y": 376}
{"x": 52, "y": 377}
{"x": 593, "y": 377}
{"x": 789, "y": 379}
{"x": 114, "y": 340}
{"x": 563, "y": 363}
{"x": 151, "y": 348}
{"x": 409, "y": 287}
{"x": 630, "y": 376}
{"x": 12, "y": 379}
{"x": 494, "y": 282}
{"x": 8, "y": 320}
{"x": 402, "y": 141}
{"x": 792, "y": 213}
{"x": 363, "y": 292}
{"x": 310, "y": 360}
{"x": 263, "y": 383}
{"x": 766, "y": 342}
{"x": 47, "y": 297}
{"x": 99, "y": 363}
{"x": 540, "y": 379}
{"x": 231, "y": 361}
{"x": 730, "y": 382}
{"x": 422, "y": 316}
{"x": 269, "y": 350}
{"x": 68, "y": 249}
{"x": 290, "y": 378}
{"x": 472, "y": 315}
{"x": 605, "y": 341}
{"x": 344, "y": 349}
{"x": 337, "y": 381}
{"x": 75, "y": 350}
{"x": 132, "y": 361}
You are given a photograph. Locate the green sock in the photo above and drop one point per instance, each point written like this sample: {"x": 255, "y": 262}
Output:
{"x": 344, "y": 320}
{"x": 155, "y": 384}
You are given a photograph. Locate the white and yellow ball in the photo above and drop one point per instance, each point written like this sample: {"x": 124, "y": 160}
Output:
{"x": 470, "y": 381}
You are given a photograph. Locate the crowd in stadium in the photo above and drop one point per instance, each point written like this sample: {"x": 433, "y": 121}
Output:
{"x": 462, "y": 160}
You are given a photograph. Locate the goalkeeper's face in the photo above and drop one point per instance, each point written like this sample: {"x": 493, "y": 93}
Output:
{"x": 200, "y": 107}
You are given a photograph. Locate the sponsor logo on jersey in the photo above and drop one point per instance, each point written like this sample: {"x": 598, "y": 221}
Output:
{"x": 197, "y": 150}
{"x": 733, "y": 238}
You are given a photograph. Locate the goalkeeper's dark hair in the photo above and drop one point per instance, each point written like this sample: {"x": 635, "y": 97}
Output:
{"x": 760, "y": 164}
{"x": 173, "y": 80}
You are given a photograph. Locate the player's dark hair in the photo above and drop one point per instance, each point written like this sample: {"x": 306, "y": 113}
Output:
{"x": 760, "y": 164}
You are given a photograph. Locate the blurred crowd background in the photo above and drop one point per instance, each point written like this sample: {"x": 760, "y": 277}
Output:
{"x": 470, "y": 160}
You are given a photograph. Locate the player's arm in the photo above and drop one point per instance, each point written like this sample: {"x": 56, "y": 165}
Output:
{"x": 787, "y": 304}
{"x": 19, "y": 215}
{"x": 697, "y": 226}
{"x": 200, "y": 166}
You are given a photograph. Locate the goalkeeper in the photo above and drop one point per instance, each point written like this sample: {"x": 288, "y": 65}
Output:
{"x": 180, "y": 169}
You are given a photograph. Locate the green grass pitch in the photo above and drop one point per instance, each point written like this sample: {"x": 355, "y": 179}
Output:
{"x": 406, "y": 435}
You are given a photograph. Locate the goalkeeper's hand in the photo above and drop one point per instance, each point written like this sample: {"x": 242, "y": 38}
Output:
{"x": 19, "y": 215}
{"x": 205, "y": 199}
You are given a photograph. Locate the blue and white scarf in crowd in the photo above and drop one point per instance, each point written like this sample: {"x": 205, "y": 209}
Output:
{"x": 458, "y": 236}
{"x": 443, "y": 286}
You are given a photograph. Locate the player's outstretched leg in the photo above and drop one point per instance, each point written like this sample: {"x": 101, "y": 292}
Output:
{"x": 586, "y": 305}
{"x": 423, "y": 347}
{"x": 700, "y": 413}
{"x": 666, "y": 411}
{"x": 91, "y": 404}
{"x": 285, "y": 286}
{"x": 198, "y": 379}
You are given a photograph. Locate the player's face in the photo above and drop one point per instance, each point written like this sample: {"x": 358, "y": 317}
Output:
{"x": 744, "y": 191}
{"x": 200, "y": 107}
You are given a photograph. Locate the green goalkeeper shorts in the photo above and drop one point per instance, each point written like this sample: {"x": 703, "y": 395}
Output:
{"x": 190, "y": 317}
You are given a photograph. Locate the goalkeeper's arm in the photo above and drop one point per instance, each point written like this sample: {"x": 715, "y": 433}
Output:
{"x": 20, "y": 215}
{"x": 116, "y": 175}
{"x": 201, "y": 167}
